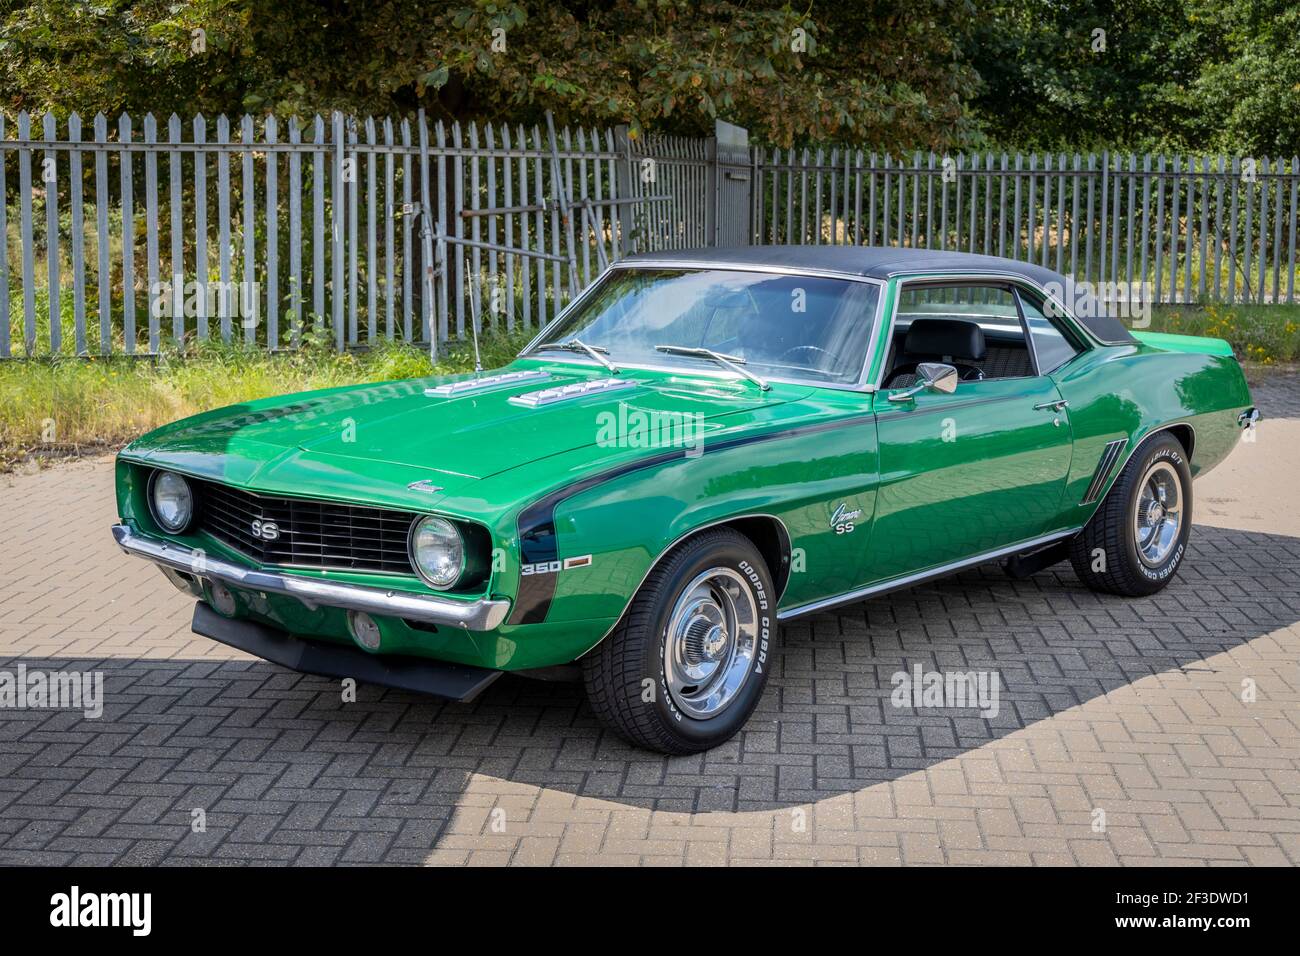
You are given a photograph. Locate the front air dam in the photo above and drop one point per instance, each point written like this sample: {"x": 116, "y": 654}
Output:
{"x": 459, "y": 682}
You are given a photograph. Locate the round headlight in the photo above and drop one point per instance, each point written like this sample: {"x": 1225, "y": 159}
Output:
{"x": 437, "y": 551}
{"x": 171, "y": 500}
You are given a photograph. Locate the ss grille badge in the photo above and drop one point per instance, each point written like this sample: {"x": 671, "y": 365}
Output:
{"x": 266, "y": 530}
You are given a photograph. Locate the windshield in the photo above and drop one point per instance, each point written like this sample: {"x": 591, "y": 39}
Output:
{"x": 804, "y": 328}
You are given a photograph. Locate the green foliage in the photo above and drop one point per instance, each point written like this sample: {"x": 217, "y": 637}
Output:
{"x": 1219, "y": 75}
{"x": 110, "y": 55}
{"x": 787, "y": 75}
{"x": 1261, "y": 334}
{"x": 883, "y": 72}
{"x": 1204, "y": 75}
{"x": 1248, "y": 99}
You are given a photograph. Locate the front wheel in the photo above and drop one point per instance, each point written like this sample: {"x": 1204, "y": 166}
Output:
{"x": 1135, "y": 542}
{"x": 686, "y": 665}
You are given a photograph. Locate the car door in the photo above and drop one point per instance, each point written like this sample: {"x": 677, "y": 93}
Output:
{"x": 976, "y": 470}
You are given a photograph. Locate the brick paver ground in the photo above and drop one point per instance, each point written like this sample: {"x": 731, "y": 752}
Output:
{"x": 1124, "y": 734}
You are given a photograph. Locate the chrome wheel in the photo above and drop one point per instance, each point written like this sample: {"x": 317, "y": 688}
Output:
{"x": 710, "y": 644}
{"x": 1158, "y": 513}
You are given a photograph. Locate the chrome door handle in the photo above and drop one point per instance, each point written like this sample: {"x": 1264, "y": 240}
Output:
{"x": 1055, "y": 406}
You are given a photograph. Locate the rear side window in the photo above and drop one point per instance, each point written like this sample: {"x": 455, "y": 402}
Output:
{"x": 1051, "y": 346}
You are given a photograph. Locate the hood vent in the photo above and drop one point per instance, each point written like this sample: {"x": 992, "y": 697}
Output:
{"x": 564, "y": 393}
{"x": 468, "y": 385}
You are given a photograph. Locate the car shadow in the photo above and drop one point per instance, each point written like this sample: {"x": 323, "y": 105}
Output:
{"x": 250, "y": 741}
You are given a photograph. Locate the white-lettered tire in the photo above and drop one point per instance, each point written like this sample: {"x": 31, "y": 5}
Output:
{"x": 687, "y": 663}
{"x": 1137, "y": 538}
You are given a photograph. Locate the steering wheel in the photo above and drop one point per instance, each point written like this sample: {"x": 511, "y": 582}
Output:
{"x": 802, "y": 348}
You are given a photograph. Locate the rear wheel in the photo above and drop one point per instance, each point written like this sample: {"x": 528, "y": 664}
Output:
{"x": 685, "y": 667}
{"x": 1135, "y": 542}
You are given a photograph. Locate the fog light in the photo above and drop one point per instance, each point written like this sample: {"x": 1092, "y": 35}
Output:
{"x": 364, "y": 630}
{"x": 222, "y": 599}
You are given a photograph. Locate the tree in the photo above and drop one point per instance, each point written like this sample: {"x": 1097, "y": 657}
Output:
{"x": 1083, "y": 74}
{"x": 1201, "y": 75}
{"x": 883, "y": 73}
{"x": 1247, "y": 100}
{"x": 1220, "y": 75}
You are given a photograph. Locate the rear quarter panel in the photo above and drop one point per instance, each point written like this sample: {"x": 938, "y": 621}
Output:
{"x": 1131, "y": 391}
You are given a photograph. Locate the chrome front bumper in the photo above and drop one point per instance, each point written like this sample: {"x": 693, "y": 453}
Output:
{"x": 480, "y": 615}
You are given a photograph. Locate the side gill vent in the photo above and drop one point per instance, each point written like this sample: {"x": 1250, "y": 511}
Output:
{"x": 1109, "y": 455}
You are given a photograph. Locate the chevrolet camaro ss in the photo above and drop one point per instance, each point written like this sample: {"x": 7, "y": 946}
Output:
{"x": 701, "y": 446}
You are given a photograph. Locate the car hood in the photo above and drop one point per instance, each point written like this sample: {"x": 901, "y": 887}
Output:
{"x": 394, "y": 432}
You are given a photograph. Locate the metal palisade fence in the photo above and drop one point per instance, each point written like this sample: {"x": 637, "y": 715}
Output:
{"x": 123, "y": 236}
{"x": 1172, "y": 229}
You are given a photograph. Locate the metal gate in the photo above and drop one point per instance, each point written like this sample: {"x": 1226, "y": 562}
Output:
{"x": 732, "y": 181}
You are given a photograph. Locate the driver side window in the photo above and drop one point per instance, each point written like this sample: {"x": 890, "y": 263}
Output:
{"x": 975, "y": 327}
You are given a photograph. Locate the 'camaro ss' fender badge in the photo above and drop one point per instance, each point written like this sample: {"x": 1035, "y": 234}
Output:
{"x": 842, "y": 518}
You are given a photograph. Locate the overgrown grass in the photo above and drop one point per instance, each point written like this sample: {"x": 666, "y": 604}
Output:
{"x": 68, "y": 406}
{"x": 1260, "y": 334}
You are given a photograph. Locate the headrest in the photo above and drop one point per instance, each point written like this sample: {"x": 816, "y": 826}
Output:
{"x": 956, "y": 338}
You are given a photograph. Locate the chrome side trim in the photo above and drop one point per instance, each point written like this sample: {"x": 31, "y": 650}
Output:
{"x": 1110, "y": 454}
{"x": 480, "y": 615}
{"x": 919, "y": 577}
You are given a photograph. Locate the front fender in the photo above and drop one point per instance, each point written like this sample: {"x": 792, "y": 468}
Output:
{"x": 586, "y": 550}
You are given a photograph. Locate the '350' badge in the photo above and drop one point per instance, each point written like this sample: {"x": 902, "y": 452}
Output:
{"x": 554, "y": 567}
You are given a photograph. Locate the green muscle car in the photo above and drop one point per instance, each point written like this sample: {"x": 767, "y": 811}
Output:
{"x": 703, "y": 445}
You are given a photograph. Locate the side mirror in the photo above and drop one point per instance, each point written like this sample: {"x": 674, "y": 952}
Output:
{"x": 935, "y": 376}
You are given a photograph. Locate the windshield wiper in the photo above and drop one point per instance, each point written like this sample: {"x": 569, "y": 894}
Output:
{"x": 577, "y": 345}
{"x": 733, "y": 362}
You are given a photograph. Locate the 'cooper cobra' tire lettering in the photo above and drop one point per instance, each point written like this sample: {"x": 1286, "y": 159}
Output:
{"x": 699, "y": 623}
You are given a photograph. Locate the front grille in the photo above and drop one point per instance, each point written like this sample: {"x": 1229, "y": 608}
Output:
{"x": 312, "y": 534}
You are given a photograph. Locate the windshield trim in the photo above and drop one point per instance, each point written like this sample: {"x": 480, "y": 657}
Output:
{"x": 860, "y": 385}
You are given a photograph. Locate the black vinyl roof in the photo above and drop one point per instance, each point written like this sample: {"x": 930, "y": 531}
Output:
{"x": 884, "y": 262}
